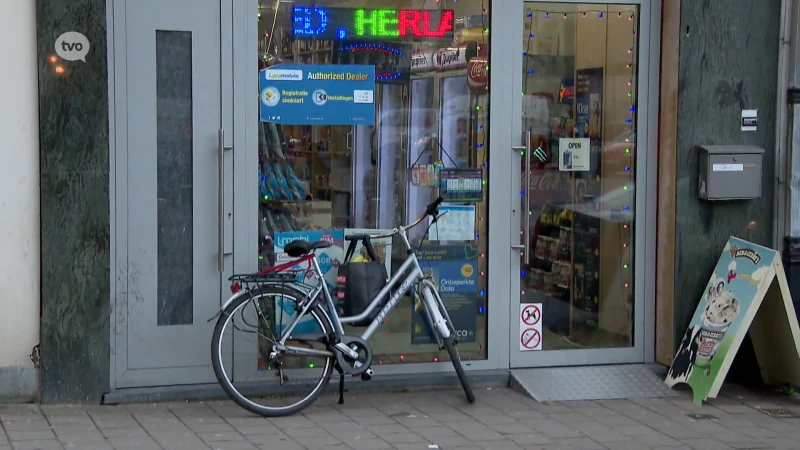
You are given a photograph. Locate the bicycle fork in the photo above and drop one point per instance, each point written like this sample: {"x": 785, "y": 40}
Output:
{"x": 434, "y": 307}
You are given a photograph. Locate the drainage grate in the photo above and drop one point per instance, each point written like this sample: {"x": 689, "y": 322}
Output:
{"x": 780, "y": 413}
{"x": 701, "y": 416}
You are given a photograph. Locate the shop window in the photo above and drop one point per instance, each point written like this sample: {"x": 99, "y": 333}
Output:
{"x": 424, "y": 134}
{"x": 174, "y": 176}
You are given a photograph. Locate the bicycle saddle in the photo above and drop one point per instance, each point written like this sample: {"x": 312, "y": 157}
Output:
{"x": 299, "y": 247}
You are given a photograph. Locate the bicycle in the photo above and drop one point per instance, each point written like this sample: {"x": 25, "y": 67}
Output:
{"x": 347, "y": 354}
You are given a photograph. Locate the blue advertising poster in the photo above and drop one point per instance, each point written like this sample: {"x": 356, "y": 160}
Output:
{"x": 453, "y": 269}
{"x": 329, "y": 260}
{"x": 283, "y": 310}
{"x": 307, "y": 94}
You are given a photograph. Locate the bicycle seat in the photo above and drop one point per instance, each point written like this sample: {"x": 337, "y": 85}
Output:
{"x": 299, "y": 247}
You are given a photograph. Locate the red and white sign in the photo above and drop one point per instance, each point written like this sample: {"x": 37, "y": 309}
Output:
{"x": 531, "y": 339}
{"x": 441, "y": 59}
{"x": 477, "y": 75}
{"x": 421, "y": 61}
{"x": 531, "y": 315}
{"x": 450, "y": 58}
{"x": 530, "y": 327}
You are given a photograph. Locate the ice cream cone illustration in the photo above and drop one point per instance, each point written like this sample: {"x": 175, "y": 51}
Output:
{"x": 721, "y": 310}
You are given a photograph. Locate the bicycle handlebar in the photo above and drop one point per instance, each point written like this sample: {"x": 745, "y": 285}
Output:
{"x": 431, "y": 210}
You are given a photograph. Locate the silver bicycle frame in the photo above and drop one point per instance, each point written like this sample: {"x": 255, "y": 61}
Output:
{"x": 414, "y": 276}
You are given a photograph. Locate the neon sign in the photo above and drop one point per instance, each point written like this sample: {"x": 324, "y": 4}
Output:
{"x": 372, "y": 24}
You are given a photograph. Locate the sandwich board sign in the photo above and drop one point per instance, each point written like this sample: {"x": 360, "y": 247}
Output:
{"x": 747, "y": 292}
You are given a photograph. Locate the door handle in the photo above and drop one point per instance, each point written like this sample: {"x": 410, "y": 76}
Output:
{"x": 518, "y": 247}
{"x": 526, "y": 245}
{"x": 221, "y": 149}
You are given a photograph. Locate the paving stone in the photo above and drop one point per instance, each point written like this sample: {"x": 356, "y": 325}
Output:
{"x": 501, "y": 445}
{"x": 553, "y": 428}
{"x": 37, "y": 445}
{"x": 221, "y": 436}
{"x": 369, "y": 444}
{"x": 289, "y": 445}
{"x": 276, "y": 440}
{"x": 121, "y": 433}
{"x": 209, "y": 427}
{"x": 511, "y": 427}
{"x": 501, "y": 419}
{"x": 402, "y": 438}
{"x": 528, "y": 438}
{"x": 26, "y": 425}
{"x": 317, "y": 442}
{"x": 306, "y": 432}
{"x": 706, "y": 444}
{"x": 582, "y": 443}
{"x": 88, "y": 446}
{"x": 656, "y": 439}
{"x": 475, "y": 431}
{"x": 388, "y": 428}
{"x": 252, "y": 430}
{"x": 30, "y": 435}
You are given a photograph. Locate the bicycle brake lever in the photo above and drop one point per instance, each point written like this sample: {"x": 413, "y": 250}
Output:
{"x": 439, "y": 216}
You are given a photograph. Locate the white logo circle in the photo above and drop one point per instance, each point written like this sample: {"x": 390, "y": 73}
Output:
{"x": 320, "y": 97}
{"x": 72, "y": 46}
{"x": 270, "y": 96}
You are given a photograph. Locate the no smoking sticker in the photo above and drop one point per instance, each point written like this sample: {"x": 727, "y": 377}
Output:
{"x": 531, "y": 339}
{"x": 530, "y": 327}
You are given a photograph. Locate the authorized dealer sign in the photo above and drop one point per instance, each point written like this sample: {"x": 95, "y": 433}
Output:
{"x": 318, "y": 94}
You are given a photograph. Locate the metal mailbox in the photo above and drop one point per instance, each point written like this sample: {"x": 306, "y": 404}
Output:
{"x": 730, "y": 172}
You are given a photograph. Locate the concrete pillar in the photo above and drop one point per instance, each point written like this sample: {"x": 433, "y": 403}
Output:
{"x": 19, "y": 202}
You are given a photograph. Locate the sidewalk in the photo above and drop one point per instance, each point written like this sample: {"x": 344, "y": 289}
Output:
{"x": 501, "y": 419}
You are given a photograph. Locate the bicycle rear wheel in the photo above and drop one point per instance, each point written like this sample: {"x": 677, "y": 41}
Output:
{"x": 304, "y": 377}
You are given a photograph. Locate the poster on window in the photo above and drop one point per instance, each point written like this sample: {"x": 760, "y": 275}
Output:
{"x": 453, "y": 269}
{"x": 586, "y": 270}
{"x": 589, "y": 122}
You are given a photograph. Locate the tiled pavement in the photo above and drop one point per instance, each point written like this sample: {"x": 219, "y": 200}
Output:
{"x": 501, "y": 419}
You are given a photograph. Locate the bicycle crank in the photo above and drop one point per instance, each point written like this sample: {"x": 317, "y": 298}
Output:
{"x": 354, "y": 366}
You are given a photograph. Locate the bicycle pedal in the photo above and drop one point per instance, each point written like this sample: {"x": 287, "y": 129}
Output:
{"x": 366, "y": 376}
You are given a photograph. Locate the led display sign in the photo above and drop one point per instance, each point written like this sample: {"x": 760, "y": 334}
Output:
{"x": 372, "y": 24}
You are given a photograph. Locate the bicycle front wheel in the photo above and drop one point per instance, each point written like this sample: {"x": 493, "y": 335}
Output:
{"x": 267, "y": 386}
{"x": 434, "y": 301}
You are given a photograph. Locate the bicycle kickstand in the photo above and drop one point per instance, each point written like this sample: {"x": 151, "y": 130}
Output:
{"x": 341, "y": 384}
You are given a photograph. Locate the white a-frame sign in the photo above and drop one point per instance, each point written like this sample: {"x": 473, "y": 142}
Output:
{"x": 747, "y": 292}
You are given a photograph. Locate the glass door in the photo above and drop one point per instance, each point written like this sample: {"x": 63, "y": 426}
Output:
{"x": 581, "y": 116}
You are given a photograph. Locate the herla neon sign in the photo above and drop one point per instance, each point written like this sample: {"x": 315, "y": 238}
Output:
{"x": 372, "y": 24}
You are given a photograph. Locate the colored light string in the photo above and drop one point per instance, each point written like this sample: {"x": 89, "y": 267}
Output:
{"x": 630, "y": 122}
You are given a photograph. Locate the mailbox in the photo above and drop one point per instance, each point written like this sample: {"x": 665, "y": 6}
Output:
{"x": 730, "y": 172}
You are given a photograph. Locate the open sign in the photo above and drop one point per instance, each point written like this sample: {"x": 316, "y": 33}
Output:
{"x": 574, "y": 155}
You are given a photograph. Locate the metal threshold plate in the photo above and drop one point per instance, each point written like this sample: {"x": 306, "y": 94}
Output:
{"x": 590, "y": 383}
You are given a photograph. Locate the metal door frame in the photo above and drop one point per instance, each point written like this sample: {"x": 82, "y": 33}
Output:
{"x": 506, "y": 125}
{"x": 239, "y": 255}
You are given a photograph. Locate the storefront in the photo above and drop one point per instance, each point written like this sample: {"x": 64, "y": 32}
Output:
{"x": 536, "y": 121}
{"x": 208, "y": 185}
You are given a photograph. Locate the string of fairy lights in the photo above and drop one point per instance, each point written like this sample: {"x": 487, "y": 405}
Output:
{"x": 630, "y": 122}
{"x": 481, "y": 134}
